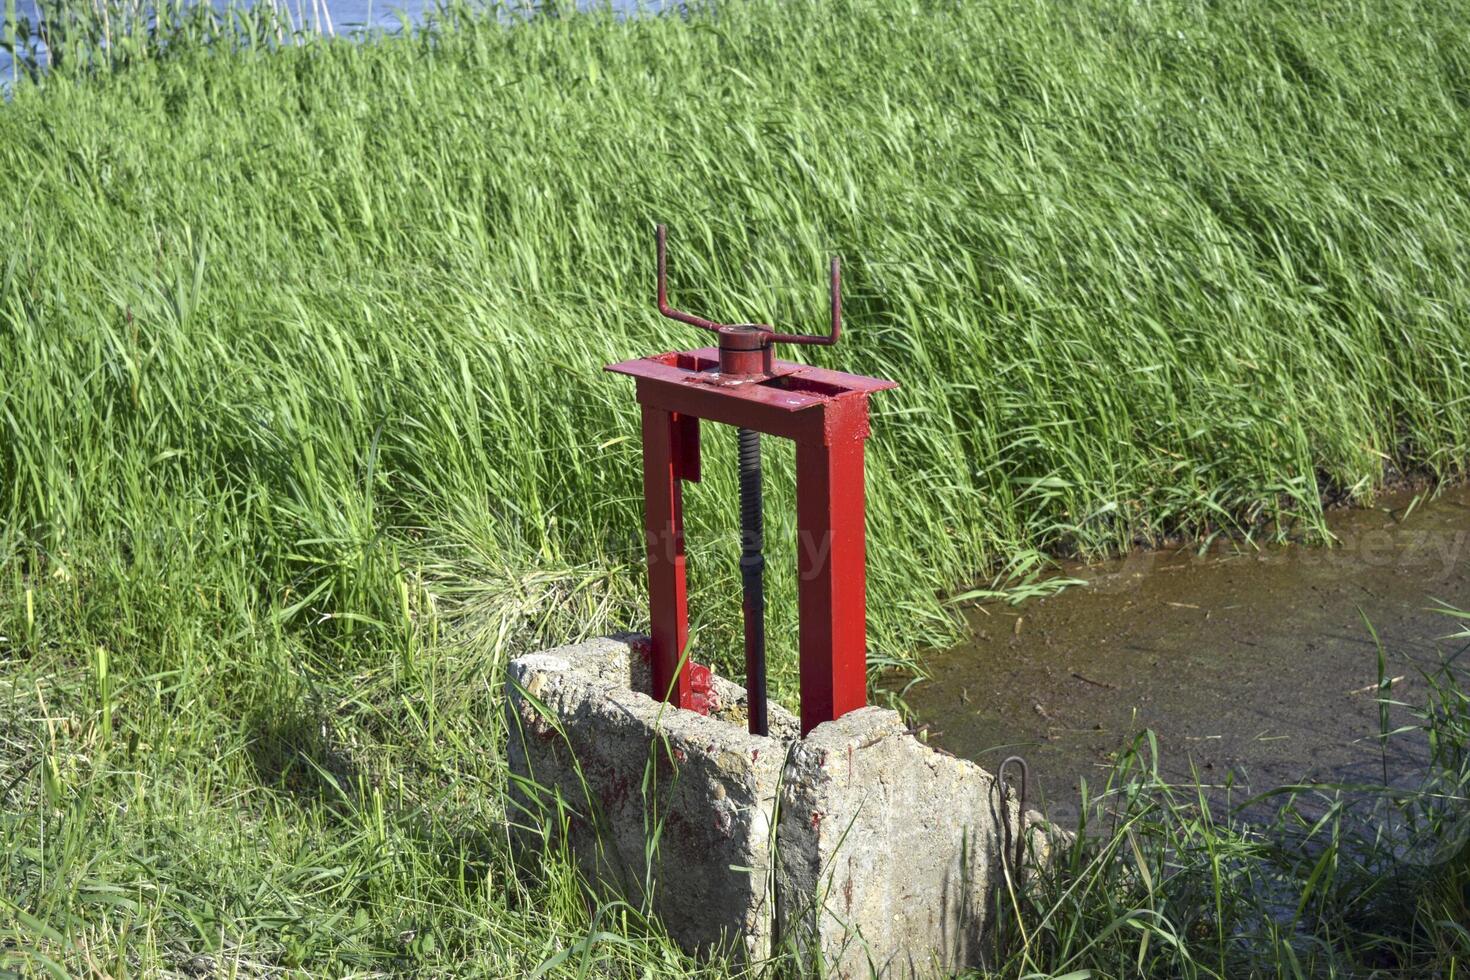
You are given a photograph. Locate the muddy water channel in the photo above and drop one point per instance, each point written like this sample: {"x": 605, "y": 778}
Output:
{"x": 1251, "y": 661}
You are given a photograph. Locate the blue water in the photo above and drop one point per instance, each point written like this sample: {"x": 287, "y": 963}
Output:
{"x": 342, "y": 17}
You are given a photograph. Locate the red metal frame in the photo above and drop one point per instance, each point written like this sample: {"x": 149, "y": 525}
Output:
{"x": 826, "y": 414}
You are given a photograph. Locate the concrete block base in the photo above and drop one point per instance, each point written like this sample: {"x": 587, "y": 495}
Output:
{"x": 669, "y": 809}
{"x": 858, "y": 846}
{"x": 890, "y": 851}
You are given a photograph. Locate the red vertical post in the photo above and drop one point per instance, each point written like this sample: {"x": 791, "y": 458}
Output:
{"x": 831, "y": 565}
{"x": 666, "y": 444}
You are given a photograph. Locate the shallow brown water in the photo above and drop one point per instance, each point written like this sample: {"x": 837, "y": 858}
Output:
{"x": 1248, "y": 661}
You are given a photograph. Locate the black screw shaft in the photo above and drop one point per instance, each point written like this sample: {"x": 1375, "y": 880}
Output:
{"x": 752, "y": 577}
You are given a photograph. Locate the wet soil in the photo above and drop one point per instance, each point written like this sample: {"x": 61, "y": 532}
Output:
{"x": 1249, "y": 663}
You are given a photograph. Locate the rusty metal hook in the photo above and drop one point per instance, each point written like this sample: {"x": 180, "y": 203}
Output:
{"x": 834, "y": 289}
{"x": 1000, "y": 779}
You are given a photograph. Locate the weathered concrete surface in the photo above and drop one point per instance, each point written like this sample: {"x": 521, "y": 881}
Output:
{"x": 889, "y": 851}
{"x": 886, "y": 856}
{"x": 613, "y": 769}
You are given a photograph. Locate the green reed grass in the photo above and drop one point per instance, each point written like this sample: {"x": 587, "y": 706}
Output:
{"x": 1318, "y": 881}
{"x": 303, "y": 429}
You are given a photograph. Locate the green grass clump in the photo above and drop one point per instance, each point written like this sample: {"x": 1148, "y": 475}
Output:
{"x": 303, "y": 432}
{"x": 1305, "y": 881}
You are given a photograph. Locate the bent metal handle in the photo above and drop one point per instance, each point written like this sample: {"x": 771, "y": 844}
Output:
{"x": 771, "y": 336}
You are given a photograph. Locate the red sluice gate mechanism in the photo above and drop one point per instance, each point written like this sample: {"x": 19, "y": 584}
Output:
{"x": 740, "y": 383}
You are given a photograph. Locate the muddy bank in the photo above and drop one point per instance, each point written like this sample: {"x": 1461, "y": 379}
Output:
{"x": 1252, "y": 664}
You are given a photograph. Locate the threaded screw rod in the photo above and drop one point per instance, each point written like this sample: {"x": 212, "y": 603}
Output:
{"x": 752, "y": 577}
